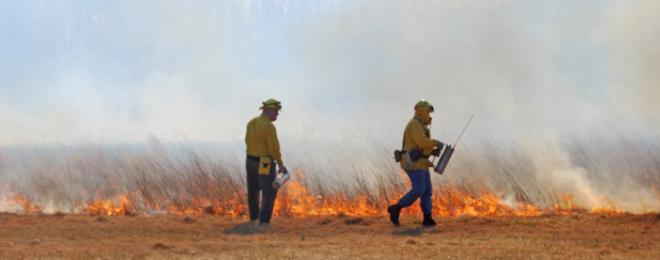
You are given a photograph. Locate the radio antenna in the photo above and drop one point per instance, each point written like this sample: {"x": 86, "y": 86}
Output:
{"x": 462, "y": 132}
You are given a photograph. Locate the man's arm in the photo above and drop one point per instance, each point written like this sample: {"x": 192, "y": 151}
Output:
{"x": 247, "y": 132}
{"x": 274, "y": 145}
{"x": 419, "y": 136}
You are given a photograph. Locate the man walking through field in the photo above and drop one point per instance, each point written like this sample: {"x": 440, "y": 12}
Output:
{"x": 263, "y": 152}
{"x": 414, "y": 159}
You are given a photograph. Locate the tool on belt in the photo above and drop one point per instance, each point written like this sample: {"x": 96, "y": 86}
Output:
{"x": 265, "y": 163}
{"x": 409, "y": 157}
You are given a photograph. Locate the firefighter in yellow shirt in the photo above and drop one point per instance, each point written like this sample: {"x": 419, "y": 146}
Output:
{"x": 263, "y": 153}
{"x": 417, "y": 148}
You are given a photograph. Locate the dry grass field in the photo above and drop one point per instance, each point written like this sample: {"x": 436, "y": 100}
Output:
{"x": 576, "y": 235}
{"x": 170, "y": 202}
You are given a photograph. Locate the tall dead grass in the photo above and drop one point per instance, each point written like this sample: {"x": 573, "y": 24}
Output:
{"x": 157, "y": 178}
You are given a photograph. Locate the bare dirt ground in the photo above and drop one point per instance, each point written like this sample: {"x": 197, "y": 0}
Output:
{"x": 577, "y": 235}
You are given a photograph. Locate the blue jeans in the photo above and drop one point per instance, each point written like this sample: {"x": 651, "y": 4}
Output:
{"x": 421, "y": 188}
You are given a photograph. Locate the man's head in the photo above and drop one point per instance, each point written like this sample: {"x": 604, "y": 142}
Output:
{"x": 271, "y": 108}
{"x": 423, "y": 110}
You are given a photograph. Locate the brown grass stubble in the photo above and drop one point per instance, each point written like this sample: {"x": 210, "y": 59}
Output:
{"x": 576, "y": 235}
{"x": 157, "y": 179}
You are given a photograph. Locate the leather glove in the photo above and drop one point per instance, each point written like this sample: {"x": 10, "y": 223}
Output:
{"x": 436, "y": 151}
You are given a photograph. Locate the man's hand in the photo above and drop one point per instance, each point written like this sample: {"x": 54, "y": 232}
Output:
{"x": 282, "y": 169}
{"x": 438, "y": 144}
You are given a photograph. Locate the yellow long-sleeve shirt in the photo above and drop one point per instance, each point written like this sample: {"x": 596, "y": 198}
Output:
{"x": 417, "y": 135}
{"x": 261, "y": 139}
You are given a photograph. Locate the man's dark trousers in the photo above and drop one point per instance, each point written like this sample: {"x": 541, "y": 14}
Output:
{"x": 260, "y": 185}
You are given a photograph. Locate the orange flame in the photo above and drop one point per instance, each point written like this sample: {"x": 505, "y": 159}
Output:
{"x": 27, "y": 206}
{"x": 119, "y": 206}
{"x": 296, "y": 200}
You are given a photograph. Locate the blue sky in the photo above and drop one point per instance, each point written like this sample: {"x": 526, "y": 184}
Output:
{"x": 109, "y": 71}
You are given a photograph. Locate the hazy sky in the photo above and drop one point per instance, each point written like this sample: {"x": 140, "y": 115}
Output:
{"x": 118, "y": 71}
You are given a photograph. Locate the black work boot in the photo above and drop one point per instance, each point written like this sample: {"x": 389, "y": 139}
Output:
{"x": 394, "y": 211}
{"x": 428, "y": 221}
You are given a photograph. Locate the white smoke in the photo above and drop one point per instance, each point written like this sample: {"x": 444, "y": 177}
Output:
{"x": 535, "y": 74}
{"x": 634, "y": 28}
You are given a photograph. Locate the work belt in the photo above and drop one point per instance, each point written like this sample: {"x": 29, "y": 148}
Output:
{"x": 421, "y": 156}
{"x": 398, "y": 156}
{"x": 265, "y": 163}
{"x": 253, "y": 158}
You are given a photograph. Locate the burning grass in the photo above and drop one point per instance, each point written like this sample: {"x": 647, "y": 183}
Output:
{"x": 296, "y": 200}
{"x": 164, "y": 180}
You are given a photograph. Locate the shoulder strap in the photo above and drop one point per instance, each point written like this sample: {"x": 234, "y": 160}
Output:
{"x": 426, "y": 129}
